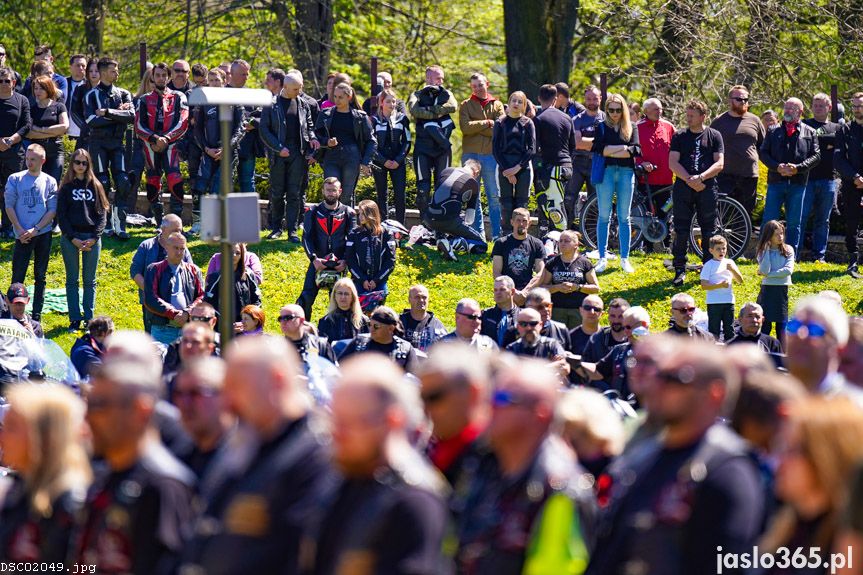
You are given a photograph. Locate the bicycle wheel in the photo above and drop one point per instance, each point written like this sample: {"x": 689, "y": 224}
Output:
{"x": 589, "y": 219}
{"x": 733, "y": 223}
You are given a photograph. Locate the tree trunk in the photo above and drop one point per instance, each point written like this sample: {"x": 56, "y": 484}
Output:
{"x": 539, "y": 36}
{"x": 676, "y": 47}
{"x": 761, "y": 41}
{"x": 308, "y": 29}
{"x": 94, "y": 24}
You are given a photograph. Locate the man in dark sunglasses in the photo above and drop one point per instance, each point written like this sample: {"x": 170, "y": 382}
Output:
{"x": 591, "y": 310}
{"x": 468, "y": 321}
{"x": 14, "y": 124}
{"x": 292, "y": 321}
{"x": 528, "y": 476}
{"x": 674, "y": 502}
{"x": 683, "y": 318}
{"x": 531, "y": 343}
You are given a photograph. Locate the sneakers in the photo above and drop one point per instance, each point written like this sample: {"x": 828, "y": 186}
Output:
{"x": 275, "y": 235}
{"x": 854, "y": 272}
{"x": 195, "y": 230}
{"x": 679, "y": 278}
{"x": 601, "y": 265}
{"x": 122, "y": 236}
{"x": 74, "y": 327}
{"x": 444, "y": 247}
{"x": 626, "y": 266}
{"x": 293, "y": 238}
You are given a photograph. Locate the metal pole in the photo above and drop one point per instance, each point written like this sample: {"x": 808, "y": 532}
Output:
{"x": 142, "y": 59}
{"x": 834, "y": 100}
{"x": 373, "y": 72}
{"x": 226, "y": 287}
{"x": 603, "y": 87}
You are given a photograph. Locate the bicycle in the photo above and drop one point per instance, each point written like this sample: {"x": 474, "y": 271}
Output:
{"x": 648, "y": 223}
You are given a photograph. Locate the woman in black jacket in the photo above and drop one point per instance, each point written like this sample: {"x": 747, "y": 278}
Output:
{"x": 393, "y": 132}
{"x": 246, "y": 290}
{"x": 350, "y": 142}
{"x": 345, "y": 319}
{"x": 370, "y": 252}
{"x": 514, "y": 145}
{"x": 82, "y": 209}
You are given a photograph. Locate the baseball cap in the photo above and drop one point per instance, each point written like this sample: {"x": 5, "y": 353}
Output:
{"x": 18, "y": 293}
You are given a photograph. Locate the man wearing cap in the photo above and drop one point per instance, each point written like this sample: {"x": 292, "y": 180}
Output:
{"x": 18, "y": 299}
{"x": 139, "y": 509}
{"x": 383, "y": 339}
{"x": 31, "y": 203}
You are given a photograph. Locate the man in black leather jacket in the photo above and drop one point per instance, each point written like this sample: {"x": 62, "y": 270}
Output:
{"x": 848, "y": 161}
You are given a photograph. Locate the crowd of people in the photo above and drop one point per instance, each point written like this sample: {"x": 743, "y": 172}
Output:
{"x": 560, "y": 430}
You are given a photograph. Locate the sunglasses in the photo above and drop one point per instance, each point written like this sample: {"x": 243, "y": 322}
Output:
{"x": 742, "y": 100}
{"x": 84, "y": 163}
{"x": 592, "y": 308}
{"x": 812, "y": 329}
{"x": 180, "y": 71}
{"x": 204, "y": 318}
{"x": 287, "y": 317}
{"x": 615, "y": 110}
{"x": 504, "y": 398}
{"x": 103, "y": 403}
{"x": 470, "y": 316}
{"x": 6, "y": 81}
{"x": 528, "y": 323}
{"x": 690, "y": 309}
{"x": 674, "y": 377}
{"x": 2, "y": 54}
{"x": 193, "y": 394}
{"x": 436, "y": 395}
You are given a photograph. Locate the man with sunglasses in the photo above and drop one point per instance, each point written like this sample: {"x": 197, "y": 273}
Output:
{"x": 383, "y": 339}
{"x": 523, "y": 484}
{"x": 139, "y": 509}
{"x": 15, "y": 122}
{"x": 673, "y": 501}
{"x": 682, "y": 318}
{"x": 742, "y": 135}
{"x": 539, "y": 299}
{"x": 600, "y": 343}
{"x": 292, "y": 321}
{"x": 198, "y": 395}
{"x": 532, "y": 343}
{"x": 591, "y": 312}
{"x": 468, "y": 321}
{"x": 815, "y": 337}
{"x": 180, "y": 82}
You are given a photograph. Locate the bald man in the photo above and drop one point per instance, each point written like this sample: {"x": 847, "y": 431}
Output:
{"x": 292, "y": 321}
{"x": 287, "y": 130}
{"x": 528, "y": 470}
{"x": 261, "y": 498}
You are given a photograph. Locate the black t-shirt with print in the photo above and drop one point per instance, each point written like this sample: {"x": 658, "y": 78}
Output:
{"x": 518, "y": 257}
{"x": 574, "y": 272}
{"x": 697, "y": 149}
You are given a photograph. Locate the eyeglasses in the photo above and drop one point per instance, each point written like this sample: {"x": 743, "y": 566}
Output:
{"x": 287, "y": 317}
{"x": 180, "y": 71}
{"x": 615, "y": 110}
{"x": 504, "y": 398}
{"x": 741, "y": 100}
{"x": 682, "y": 377}
{"x": 592, "y": 308}
{"x": 203, "y": 318}
{"x": 103, "y": 403}
{"x": 470, "y": 316}
{"x": 812, "y": 329}
{"x": 528, "y": 323}
{"x": 690, "y": 309}
{"x": 84, "y": 163}
{"x": 541, "y": 306}
{"x": 193, "y": 394}
{"x": 436, "y": 395}
{"x": 6, "y": 81}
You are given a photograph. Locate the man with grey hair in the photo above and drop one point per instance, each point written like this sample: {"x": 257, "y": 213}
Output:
{"x": 815, "y": 337}
{"x": 497, "y": 319}
{"x": 287, "y": 130}
{"x": 749, "y": 331}
{"x": 654, "y": 133}
{"x": 151, "y": 251}
{"x": 823, "y": 186}
{"x": 682, "y": 318}
{"x": 789, "y": 152}
{"x": 139, "y": 510}
{"x": 315, "y": 109}
{"x": 468, "y": 321}
{"x": 261, "y": 496}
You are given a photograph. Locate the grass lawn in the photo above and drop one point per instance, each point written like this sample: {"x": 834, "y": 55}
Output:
{"x": 285, "y": 266}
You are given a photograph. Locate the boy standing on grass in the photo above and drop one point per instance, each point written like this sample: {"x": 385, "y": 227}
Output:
{"x": 717, "y": 276}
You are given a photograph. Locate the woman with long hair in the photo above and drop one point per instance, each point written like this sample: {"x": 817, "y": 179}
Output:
{"x": 818, "y": 450}
{"x": 41, "y": 442}
{"x": 775, "y": 265}
{"x": 350, "y": 141}
{"x": 616, "y": 140}
{"x": 370, "y": 252}
{"x": 344, "y": 319}
{"x": 569, "y": 277}
{"x": 393, "y": 133}
{"x": 514, "y": 145}
{"x": 49, "y": 122}
{"x": 245, "y": 288}
{"x": 82, "y": 211}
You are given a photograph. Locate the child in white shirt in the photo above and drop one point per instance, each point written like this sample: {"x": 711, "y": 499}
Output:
{"x": 717, "y": 276}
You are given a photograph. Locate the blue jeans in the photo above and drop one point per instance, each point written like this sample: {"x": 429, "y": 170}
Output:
{"x": 817, "y": 202}
{"x": 791, "y": 195}
{"x": 618, "y": 181}
{"x": 72, "y": 260}
{"x": 488, "y": 175}
{"x": 165, "y": 333}
{"x": 246, "y": 174}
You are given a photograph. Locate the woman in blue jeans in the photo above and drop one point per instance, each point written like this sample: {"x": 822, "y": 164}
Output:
{"x": 617, "y": 140}
{"x": 82, "y": 207}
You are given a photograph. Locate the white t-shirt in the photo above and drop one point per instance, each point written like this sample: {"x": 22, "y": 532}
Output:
{"x": 714, "y": 272}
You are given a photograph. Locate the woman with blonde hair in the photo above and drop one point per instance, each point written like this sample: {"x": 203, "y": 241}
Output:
{"x": 615, "y": 146}
{"x": 585, "y": 420}
{"x": 513, "y": 145}
{"x": 345, "y": 318}
{"x": 569, "y": 277}
{"x": 370, "y": 252}
{"x": 818, "y": 451}
{"x": 41, "y": 442}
